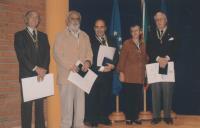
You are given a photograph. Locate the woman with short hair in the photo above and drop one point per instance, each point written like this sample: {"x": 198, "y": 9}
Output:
{"x": 132, "y": 73}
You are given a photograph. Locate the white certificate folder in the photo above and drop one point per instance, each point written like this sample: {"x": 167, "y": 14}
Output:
{"x": 153, "y": 75}
{"x": 85, "y": 83}
{"x": 32, "y": 89}
{"x": 105, "y": 51}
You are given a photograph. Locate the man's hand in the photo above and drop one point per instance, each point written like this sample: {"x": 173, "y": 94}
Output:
{"x": 121, "y": 77}
{"x": 39, "y": 78}
{"x": 74, "y": 68}
{"x": 108, "y": 68}
{"x": 41, "y": 73}
{"x": 162, "y": 62}
{"x": 86, "y": 66}
{"x": 111, "y": 66}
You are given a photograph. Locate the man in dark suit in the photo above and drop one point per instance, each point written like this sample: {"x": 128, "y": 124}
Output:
{"x": 98, "y": 101}
{"x": 161, "y": 47}
{"x": 32, "y": 49}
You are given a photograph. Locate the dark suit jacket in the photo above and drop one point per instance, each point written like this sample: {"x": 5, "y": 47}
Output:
{"x": 27, "y": 54}
{"x": 168, "y": 46}
{"x": 95, "y": 49}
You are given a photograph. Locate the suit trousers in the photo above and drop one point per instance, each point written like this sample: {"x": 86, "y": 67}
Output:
{"x": 98, "y": 102}
{"x": 72, "y": 106}
{"x": 162, "y": 97}
{"x": 26, "y": 114}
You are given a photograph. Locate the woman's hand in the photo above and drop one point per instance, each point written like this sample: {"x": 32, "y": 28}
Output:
{"x": 121, "y": 77}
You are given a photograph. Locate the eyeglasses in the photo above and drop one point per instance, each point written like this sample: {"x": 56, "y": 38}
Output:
{"x": 78, "y": 19}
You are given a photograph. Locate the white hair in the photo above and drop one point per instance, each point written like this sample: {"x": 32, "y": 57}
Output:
{"x": 73, "y": 12}
{"x": 28, "y": 15}
{"x": 160, "y": 13}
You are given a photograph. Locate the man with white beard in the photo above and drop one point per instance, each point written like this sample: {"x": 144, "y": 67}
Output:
{"x": 72, "y": 45}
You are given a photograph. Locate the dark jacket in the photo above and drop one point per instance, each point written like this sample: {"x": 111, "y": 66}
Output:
{"x": 95, "y": 49}
{"x": 27, "y": 54}
{"x": 166, "y": 48}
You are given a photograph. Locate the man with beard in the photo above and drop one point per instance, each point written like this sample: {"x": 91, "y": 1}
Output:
{"x": 72, "y": 45}
{"x": 98, "y": 101}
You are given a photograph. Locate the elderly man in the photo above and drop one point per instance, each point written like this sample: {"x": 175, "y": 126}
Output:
{"x": 32, "y": 49}
{"x": 98, "y": 101}
{"x": 72, "y": 45}
{"x": 161, "y": 48}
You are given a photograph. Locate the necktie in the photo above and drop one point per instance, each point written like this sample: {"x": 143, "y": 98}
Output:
{"x": 34, "y": 35}
{"x": 103, "y": 41}
{"x": 35, "y": 39}
{"x": 161, "y": 33}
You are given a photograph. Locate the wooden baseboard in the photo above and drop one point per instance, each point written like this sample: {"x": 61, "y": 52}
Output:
{"x": 31, "y": 126}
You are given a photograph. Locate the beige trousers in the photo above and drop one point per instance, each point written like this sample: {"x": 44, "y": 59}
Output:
{"x": 72, "y": 106}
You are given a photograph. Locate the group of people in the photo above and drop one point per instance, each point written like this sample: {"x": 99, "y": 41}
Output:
{"x": 78, "y": 109}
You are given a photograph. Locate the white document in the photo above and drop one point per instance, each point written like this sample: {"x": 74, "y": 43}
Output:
{"x": 32, "y": 89}
{"x": 85, "y": 83}
{"x": 105, "y": 51}
{"x": 153, "y": 75}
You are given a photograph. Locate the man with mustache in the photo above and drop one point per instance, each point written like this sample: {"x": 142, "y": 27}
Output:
{"x": 72, "y": 45}
{"x": 98, "y": 101}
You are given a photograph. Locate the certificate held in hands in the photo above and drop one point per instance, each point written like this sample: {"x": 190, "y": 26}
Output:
{"x": 32, "y": 89}
{"x": 155, "y": 74}
{"x": 83, "y": 80}
{"x": 105, "y": 53}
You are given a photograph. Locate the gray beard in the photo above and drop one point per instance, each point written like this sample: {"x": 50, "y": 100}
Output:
{"x": 74, "y": 27}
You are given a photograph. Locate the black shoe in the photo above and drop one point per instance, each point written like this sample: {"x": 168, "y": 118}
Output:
{"x": 91, "y": 124}
{"x": 106, "y": 122}
{"x": 137, "y": 122}
{"x": 168, "y": 120}
{"x": 155, "y": 120}
{"x": 129, "y": 122}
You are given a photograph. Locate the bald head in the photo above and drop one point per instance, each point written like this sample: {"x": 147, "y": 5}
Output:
{"x": 100, "y": 27}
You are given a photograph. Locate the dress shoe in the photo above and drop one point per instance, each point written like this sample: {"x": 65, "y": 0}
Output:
{"x": 94, "y": 125}
{"x": 168, "y": 120}
{"x": 155, "y": 120}
{"x": 91, "y": 124}
{"x": 137, "y": 122}
{"x": 106, "y": 122}
{"x": 129, "y": 122}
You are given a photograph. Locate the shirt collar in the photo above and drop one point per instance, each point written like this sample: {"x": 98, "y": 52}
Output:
{"x": 31, "y": 29}
{"x": 100, "y": 38}
{"x": 165, "y": 28}
{"x": 137, "y": 43}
